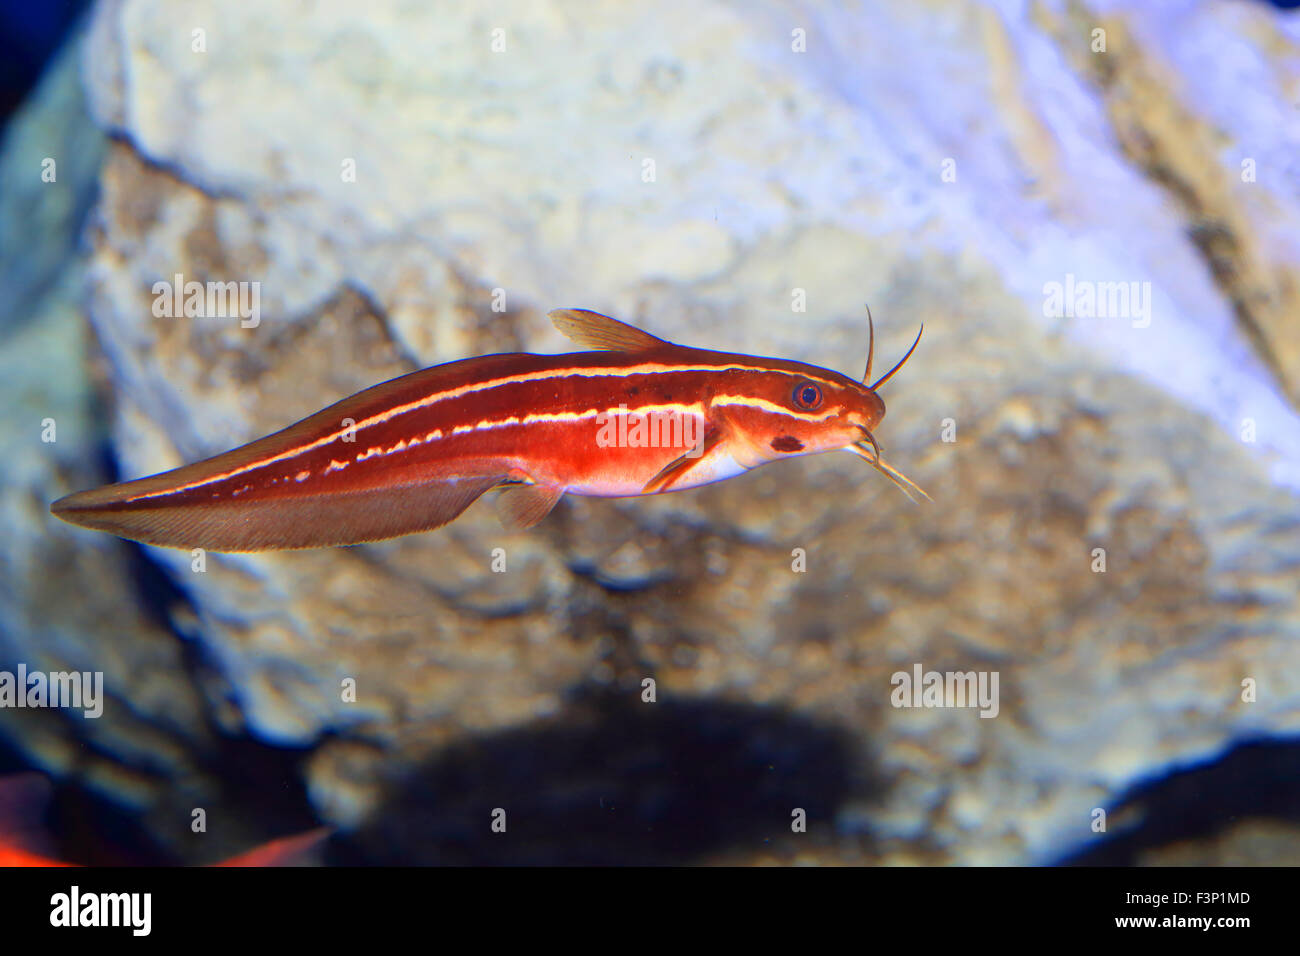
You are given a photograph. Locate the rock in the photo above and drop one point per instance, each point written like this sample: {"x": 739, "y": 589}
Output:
{"x": 1248, "y": 843}
{"x": 387, "y": 178}
{"x": 48, "y": 173}
{"x": 65, "y": 604}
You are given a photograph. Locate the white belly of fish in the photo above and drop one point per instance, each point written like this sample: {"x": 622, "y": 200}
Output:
{"x": 716, "y": 466}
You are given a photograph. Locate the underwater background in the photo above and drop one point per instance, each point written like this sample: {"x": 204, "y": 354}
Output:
{"x": 1093, "y": 208}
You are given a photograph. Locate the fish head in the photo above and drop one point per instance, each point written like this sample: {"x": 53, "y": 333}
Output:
{"x": 797, "y": 409}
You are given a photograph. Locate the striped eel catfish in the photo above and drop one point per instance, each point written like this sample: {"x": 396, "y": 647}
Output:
{"x": 635, "y": 415}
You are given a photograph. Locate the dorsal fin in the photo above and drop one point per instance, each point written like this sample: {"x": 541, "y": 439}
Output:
{"x": 596, "y": 331}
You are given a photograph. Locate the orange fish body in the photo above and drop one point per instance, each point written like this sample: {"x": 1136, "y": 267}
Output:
{"x": 638, "y": 415}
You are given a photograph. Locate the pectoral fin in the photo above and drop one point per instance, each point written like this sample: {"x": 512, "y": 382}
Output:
{"x": 522, "y": 506}
{"x": 679, "y": 466}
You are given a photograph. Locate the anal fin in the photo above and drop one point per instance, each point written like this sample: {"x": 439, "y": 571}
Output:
{"x": 277, "y": 523}
{"x": 522, "y": 506}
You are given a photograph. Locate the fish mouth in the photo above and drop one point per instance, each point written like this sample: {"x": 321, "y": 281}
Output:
{"x": 868, "y": 450}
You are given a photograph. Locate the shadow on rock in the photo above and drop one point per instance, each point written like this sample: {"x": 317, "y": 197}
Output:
{"x": 607, "y": 782}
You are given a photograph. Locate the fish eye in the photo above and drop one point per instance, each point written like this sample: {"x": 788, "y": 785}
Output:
{"x": 808, "y": 396}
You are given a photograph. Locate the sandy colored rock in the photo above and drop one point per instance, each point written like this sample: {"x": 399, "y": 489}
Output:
{"x": 1248, "y": 843}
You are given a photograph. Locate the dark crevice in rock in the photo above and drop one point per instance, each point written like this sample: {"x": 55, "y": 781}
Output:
{"x": 590, "y": 570}
{"x": 1259, "y": 779}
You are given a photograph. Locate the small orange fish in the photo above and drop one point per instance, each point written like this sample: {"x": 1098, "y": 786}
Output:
{"x": 635, "y": 416}
{"x": 24, "y": 842}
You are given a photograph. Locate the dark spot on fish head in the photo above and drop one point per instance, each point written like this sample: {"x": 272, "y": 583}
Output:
{"x": 787, "y": 443}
